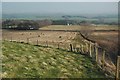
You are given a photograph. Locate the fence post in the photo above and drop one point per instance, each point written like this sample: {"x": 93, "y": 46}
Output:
{"x": 19, "y": 40}
{"x": 71, "y": 48}
{"x": 96, "y": 51}
{"x": 77, "y": 49}
{"x": 11, "y": 39}
{"x": 58, "y": 45}
{"x": 27, "y": 40}
{"x": 103, "y": 59}
{"x": 118, "y": 68}
{"x": 82, "y": 49}
{"x": 90, "y": 50}
{"x": 46, "y": 44}
{"x": 37, "y": 42}
{"x": 86, "y": 47}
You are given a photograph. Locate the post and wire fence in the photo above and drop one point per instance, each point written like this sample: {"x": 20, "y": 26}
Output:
{"x": 89, "y": 48}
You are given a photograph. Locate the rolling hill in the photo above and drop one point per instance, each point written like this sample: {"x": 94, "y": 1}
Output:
{"x": 20, "y": 60}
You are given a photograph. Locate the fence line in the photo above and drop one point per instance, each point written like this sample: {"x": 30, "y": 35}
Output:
{"x": 118, "y": 68}
{"x": 89, "y": 48}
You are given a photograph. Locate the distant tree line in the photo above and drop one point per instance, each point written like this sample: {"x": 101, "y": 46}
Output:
{"x": 61, "y": 22}
{"x": 25, "y": 24}
{"x": 36, "y": 24}
{"x": 81, "y": 22}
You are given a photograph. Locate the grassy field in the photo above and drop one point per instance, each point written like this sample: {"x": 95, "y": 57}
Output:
{"x": 106, "y": 39}
{"x": 21, "y": 60}
{"x": 52, "y": 38}
{"x": 78, "y": 27}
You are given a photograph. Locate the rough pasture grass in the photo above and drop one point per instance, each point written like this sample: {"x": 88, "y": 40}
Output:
{"x": 28, "y": 61}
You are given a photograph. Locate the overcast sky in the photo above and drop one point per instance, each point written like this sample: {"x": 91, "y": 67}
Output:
{"x": 60, "y": 7}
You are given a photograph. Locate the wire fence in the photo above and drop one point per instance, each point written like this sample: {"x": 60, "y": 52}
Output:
{"x": 91, "y": 49}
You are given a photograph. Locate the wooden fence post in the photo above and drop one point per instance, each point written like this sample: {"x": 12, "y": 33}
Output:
{"x": 90, "y": 50}
{"x": 118, "y": 68}
{"x": 19, "y": 40}
{"x": 96, "y": 52}
{"x": 58, "y": 45}
{"x": 46, "y": 44}
{"x": 71, "y": 48}
{"x": 86, "y": 47}
{"x": 77, "y": 49}
{"x": 103, "y": 59}
{"x": 11, "y": 39}
{"x": 82, "y": 49}
{"x": 27, "y": 40}
{"x": 37, "y": 42}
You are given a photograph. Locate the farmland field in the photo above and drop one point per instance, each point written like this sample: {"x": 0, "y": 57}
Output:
{"x": 43, "y": 37}
{"x": 105, "y": 36}
{"x": 77, "y": 27}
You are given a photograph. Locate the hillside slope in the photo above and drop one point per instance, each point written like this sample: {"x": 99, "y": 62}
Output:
{"x": 26, "y": 61}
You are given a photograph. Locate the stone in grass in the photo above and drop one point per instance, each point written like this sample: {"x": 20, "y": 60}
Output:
{"x": 80, "y": 67}
{"x": 44, "y": 63}
{"x": 53, "y": 63}
{"x": 61, "y": 66}
{"x": 86, "y": 66}
{"x": 52, "y": 59}
{"x": 75, "y": 69}
{"x": 64, "y": 70}
{"x": 67, "y": 74}
{"x": 26, "y": 68}
{"x": 67, "y": 58}
{"x": 16, "y": 58}
{"x": 64, "y": 62}
{"x": 30, "y": 57}
{"x": 33, "y": 60}
{"x": 4, "y": 58}
{"x": 4, "y": 74}
{"x": 11, "y": 55}
{"x": 72, "y": 61}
